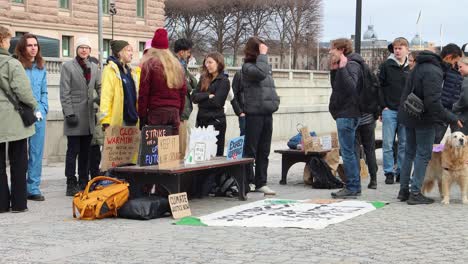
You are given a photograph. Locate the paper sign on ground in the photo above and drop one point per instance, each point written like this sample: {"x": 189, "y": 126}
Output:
{"x": 179, "y": 205}
{"x": 120, "y": 146}
{"x": 169, "y": 154}
{"x": 235, "y": 148}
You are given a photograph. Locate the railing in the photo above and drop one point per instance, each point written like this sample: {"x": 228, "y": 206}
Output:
{"x": 54, "y": 65}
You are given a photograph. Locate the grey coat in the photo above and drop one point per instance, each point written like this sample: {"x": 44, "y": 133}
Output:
{"x": 77, "y": 97}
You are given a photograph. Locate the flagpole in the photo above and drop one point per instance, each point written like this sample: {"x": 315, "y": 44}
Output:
{"x": 419, "y": 29}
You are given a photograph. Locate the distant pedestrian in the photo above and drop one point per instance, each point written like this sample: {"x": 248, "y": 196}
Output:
{"x": 79, "y": 79}
{"x": 28, "y": 52}
{"x": 15, "y": 83}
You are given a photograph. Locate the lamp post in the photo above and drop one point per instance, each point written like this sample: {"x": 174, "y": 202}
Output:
{"x": 112, "y": 12}
{"x": 100, "y": 44}
{"x": 357, "y": 38}
{"x": 290, "y": 56}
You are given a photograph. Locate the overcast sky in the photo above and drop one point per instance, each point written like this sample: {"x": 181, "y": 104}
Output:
{"x": 395, "y": 18}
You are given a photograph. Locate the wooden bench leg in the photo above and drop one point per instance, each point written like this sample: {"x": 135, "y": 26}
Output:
{"x": 238, "y": 173}
{"x": 286, "y": 164}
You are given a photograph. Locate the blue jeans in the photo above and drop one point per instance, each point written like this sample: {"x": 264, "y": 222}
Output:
{"x": 418, "y": 149}
{"x": 36, "y": 152}
{"x": 390, "y": 128}
{"x": 347, "y": 138}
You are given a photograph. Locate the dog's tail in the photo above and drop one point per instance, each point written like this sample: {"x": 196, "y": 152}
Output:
{"x": 427, "y": 186}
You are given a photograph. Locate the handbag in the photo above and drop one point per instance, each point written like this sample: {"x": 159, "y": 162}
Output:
{"x": 25, "y": 111}
{"x": 413, "y": 105}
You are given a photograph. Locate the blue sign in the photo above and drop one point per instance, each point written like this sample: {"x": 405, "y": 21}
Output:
{"x": 235, "y": 148}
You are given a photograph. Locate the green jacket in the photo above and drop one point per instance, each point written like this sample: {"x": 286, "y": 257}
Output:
{"x": 191, "y": 85}
{"x": 13, "y": 78}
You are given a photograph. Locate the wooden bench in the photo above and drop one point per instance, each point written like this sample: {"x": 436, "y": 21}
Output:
{"x": 290, "y": 157}
{"x": 171, "y": 178}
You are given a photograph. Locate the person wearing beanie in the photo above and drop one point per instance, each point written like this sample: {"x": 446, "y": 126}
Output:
{"x": 161, "y": 99}
{"x": 79, "y": 79}
{"x": 120, "y": 84}
{"x": 465, "y": 49}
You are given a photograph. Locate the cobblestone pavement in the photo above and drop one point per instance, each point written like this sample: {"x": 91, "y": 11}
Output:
{"x": 397, "y": 233}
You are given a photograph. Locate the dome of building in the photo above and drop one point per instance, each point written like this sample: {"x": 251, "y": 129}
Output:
{"x": 370, "y": 33}
{"x": 416, "y": 41}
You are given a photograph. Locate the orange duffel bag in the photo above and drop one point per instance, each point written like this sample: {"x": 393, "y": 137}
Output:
{"x": 101, "y": 201}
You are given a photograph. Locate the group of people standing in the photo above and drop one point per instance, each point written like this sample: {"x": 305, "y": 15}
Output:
{"x": 439, "y": 81}
{"x": 160, "y": 91}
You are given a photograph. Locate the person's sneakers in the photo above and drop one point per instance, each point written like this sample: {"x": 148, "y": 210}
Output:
{"x": 397, "y": 177}
{"x": 345, "y": 194}
{"x": 266, "y": 190}
{"x": 389, "y": 178}
{"x": 403, "y": 195}
{"x": 19, "y": 211}
{"x": 252, "y": 187}
{"x": 418, "y": 198}
{"x": 36, "y": 197}
{"x": 372, "y": 183}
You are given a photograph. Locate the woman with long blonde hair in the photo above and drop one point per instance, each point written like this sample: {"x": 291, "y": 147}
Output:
{"x": 162, "y": 88}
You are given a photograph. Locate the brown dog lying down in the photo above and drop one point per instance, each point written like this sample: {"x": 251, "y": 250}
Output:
{"x": 449, "y": 166}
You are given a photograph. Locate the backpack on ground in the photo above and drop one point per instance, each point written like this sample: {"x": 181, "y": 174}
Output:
{"x": 98, "y": 201}
{"x": 369, "y": 92}
{"x": 321, "y": 175}
{"x": 145, "y": 208}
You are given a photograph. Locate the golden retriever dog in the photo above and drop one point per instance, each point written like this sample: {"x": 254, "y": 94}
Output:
{"x": 449, "y": 166}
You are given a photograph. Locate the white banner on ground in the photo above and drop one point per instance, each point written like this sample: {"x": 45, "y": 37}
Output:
{"x": 288, "y": 213}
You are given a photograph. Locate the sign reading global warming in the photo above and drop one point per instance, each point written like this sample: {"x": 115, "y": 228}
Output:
{"x": 235, "y": 148}
{"x": 120, "y": 146}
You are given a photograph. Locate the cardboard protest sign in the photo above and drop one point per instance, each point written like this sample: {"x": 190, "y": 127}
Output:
{"x": 334, "y": 138}
{"x": 168, "y": 148}
{"x": 179, "y": 205}
{"x": 120, "y": 146}
{"x": 148, "y": 154}
{"x": 235, "y": 148}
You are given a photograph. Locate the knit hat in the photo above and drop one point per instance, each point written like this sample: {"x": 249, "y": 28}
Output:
{"x": 147, "y": 45}
{"x": 83, "y": 41}
{"x": 118, "y": 45}
{"x": 160, "y": 40}
{"x": 465, "y": 49}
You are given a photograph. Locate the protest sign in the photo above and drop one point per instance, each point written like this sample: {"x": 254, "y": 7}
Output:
{"x": 179, "y": 205}
{"x": 120, "y": 146}
{"x": 235, "y": 148}
{"x": 168, "y": 148}
{"x": 148, "y": 154}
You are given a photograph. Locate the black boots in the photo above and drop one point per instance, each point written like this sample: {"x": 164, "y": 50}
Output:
{"x": 72, "y": 186}
{"x": 373, "y": 182}
{"x": 418, "y": 198}
{"x": 403, "y": 195}
{"x": 389, "y": 178}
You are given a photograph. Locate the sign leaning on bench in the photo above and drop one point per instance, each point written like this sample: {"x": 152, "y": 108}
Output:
{"x": 120, "y": 146}
{"x": 235, "y": 148}
{"x": 149, "y": 149}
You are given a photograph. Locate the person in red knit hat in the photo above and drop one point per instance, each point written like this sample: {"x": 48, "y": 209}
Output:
{"x": 162, "y": 86}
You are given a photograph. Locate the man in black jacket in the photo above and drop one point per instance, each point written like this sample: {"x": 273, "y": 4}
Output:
{"x": 346, "y": 81}
{"x": 425, "y": 81}
{"x": 392, "y": 76}
{"x": 451, "y": 89}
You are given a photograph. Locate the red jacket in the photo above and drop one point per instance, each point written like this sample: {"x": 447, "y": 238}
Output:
{"x": 154, "y": 92}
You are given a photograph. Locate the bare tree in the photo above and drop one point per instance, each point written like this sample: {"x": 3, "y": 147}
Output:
{"x": 259, "y": 13}
{"x": 278, "y": 27}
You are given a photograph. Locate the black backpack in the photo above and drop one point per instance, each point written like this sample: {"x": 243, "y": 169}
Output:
{"x": 322, "y": 177}
{"x": 369, "y": 92}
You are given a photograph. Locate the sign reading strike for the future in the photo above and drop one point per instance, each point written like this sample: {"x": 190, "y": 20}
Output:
{"x": 149, "y": 144}
{"x": 120, "y": 146}
{"x": 179, "y": 205}
{"x": 235, "y": 148}
{"x": 169, "y": 154}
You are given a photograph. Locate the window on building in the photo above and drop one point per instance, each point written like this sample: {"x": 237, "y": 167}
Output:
{"x": 18, "y": 1}
{"x": 140, "y": 8}
{"x": 66, "y": 44}
{"x": 65, "y": 4}
{"x": 276, "y": 59}
{"x": 141, "y": 48}
{"x": 105, "y": 7}
{"x": 106, "y": 48}
{"x": 19, "y": 33}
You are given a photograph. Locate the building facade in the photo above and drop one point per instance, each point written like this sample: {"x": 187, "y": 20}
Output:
{"x": 68, "y": 20}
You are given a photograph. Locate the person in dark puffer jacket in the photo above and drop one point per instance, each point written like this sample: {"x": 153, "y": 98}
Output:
{"x": 451, "y": 90}
{"x": 425, "y": 81}
{"x": 346, "y": 80}
{"x": 258, "y": 101}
